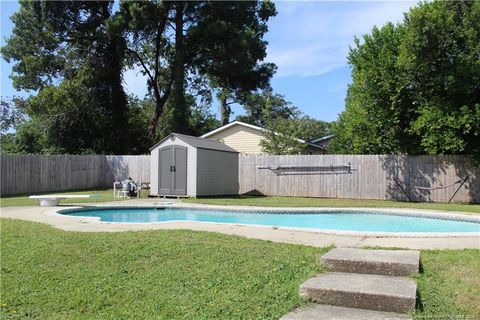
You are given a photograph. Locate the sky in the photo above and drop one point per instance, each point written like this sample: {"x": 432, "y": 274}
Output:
{"x": 308, "y": 41}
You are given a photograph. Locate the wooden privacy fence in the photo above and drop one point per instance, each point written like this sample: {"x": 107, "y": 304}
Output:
{"x": 47, "y": 173}
{"x": 361, "y": 177}
{"x": 121, "y": 167}
{"x": 332, "y": 176}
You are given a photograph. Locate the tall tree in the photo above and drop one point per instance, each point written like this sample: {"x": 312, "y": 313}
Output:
{"x": 236, "y": 30}
{"x": 440, "y": 56}
{"x": 60, "y": 45}
{"x": 180, "y": 111}
{"x": 378, "y": 110}
{"x": 416, "y": 86}
{"x": 185, "y": 49}
{"x": 176, "y": 43}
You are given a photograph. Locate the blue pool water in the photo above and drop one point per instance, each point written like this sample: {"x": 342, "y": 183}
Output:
{"x": 328, "y": 220}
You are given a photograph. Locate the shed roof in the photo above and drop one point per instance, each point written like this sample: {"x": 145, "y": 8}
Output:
{"x": 201, "y": 143}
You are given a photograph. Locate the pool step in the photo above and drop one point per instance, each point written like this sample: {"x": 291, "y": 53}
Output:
{"x": 382, "y": 262}
{"x": 365, "y": 291}
{"x": 323, "y": 312}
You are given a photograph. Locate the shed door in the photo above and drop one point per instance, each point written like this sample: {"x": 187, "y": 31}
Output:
{"x": 172, "y": 170}
{"x": 179, "y": 170}
{"x": 165, "y": 171}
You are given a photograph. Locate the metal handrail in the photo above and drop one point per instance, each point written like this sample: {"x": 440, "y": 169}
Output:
{"x": 309, "y": 167}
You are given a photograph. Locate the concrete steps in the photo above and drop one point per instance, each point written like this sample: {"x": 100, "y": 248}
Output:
{"x": 384, "y": 262}
{"x": 365, "y": 291}
{"x": 324, "y": 312}
{"x": 365, "y": 284}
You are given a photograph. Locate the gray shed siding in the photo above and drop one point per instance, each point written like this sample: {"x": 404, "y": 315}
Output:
{"x": 217, "y": 173}
{"x": 191, "y": 166}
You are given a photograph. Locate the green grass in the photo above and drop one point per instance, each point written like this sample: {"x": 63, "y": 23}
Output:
{"x": 23, "y": 200}
{"x": 323, "y": 202}
{"x": 449, "y": 285}
{"x": 107, "y": 195}
{"x": 49, "y": 273}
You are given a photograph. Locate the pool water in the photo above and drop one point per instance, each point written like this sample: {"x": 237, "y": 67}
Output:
{"x": 326, "y": 220}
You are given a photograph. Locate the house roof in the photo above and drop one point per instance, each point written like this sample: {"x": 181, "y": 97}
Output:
{"x": 196, "y": 142}
{"x": 251, "y": 126}
{"x": 231, "y": 124}
{"x": 322, "y": 138}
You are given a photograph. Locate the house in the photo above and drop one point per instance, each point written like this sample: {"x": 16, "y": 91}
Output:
{"x": 245, "y": 138}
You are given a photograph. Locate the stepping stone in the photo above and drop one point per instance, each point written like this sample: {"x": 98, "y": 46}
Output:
{"x": 324, "y": 312}
{"x": 364, "y": 291}
{"x": 386, "y": 262}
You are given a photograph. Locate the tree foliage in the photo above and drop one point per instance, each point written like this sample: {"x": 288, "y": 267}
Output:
{"x": 289, "y": 135}
{"x": 416, "y": 85}
{"x": 197, "y": 47}
{"x": 261, "y": 107}
{"x": 284, "y": 123}
{"x": 12, "y": 116}
{"x": 72, "y": 55}
{"x": 67, "y": 53}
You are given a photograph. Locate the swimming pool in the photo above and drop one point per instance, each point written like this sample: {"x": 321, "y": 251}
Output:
{"x": 340, "y": 220}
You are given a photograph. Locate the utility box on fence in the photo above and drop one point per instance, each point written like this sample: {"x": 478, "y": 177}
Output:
{"x": 183, "y": 165}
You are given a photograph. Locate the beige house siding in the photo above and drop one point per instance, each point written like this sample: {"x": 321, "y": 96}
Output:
{"x": 247, "y": 140}
{"x": 243, "y": 139}
{"x": 217, "y": 173}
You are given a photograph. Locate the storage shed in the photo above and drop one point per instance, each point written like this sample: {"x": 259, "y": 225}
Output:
{"x": 183, "y": 165}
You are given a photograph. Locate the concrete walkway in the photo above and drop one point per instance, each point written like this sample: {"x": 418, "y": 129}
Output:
{"x": 311, "y": 238}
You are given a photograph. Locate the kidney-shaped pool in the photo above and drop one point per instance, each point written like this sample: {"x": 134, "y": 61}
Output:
{"x": 340, "y": 220}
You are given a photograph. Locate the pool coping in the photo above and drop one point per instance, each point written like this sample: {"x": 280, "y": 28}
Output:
{"x": 298, "y": 237}
{"x": 432, "y": 214}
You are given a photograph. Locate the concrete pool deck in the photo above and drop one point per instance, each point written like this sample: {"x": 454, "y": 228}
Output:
{"x": 306, "y": 237}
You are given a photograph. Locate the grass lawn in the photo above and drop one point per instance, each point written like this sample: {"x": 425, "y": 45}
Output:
{"x": 325, "y": 202}
{"x": 23, "y": 200}
{"x": 106, "y": 195}
{"x": 449, "y": 286}
{"x": 49, "y": 273}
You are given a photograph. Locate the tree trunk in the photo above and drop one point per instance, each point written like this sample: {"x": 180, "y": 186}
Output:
{"x": 159, "y": 106}
{"x": 180, "y": 112}
{"x": 118, "y": 98}
{"x": 224, "y": 108}
{"x": 159, "y": 99}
